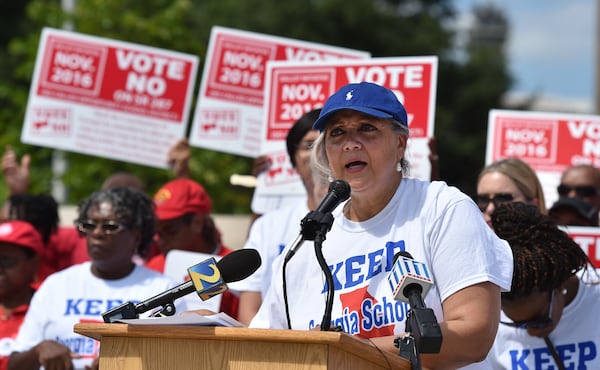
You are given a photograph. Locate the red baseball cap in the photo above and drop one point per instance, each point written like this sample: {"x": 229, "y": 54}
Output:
{"x": 21, "y": 233}
{"x": 179, "y": 197}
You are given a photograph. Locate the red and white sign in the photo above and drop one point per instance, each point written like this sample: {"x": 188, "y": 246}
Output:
{"x": 229, "y": 111}
{"x": 588, "y": 238}
{"x": 108, "y": 98}
{"x": 548, "y": 142}
{"x": 294, "y": 88}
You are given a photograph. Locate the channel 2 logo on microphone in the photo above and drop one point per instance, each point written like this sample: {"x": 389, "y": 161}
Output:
{"x": 207, "y": 279}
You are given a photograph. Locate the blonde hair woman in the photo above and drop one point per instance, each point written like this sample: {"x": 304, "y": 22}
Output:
{"x": 505, "y": 181}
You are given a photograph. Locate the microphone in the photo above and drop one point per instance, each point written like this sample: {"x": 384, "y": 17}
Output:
{"x": 339, "y": 191}
{"x": 410, "y": 282}
{"x": 208, "y": 278}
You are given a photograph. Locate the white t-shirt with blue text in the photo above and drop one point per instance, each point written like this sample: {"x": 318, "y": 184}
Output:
{"x": 437, "y": 224}
{"x": 75, "y": 295}
{"x": 576, "y": 338}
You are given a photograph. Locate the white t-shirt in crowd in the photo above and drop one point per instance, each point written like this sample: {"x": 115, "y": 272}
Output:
{"x": 576, "y": 338}
{"x": 269, "y": 235}
{"x": 437, "y": 224}
{"x": 75, "y": 295}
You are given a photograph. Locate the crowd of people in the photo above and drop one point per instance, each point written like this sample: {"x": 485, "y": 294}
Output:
{"x": 511, "y": 288}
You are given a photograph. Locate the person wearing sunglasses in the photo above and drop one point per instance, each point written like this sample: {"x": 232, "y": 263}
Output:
{"x": 549, "y": 317}
{"x": 581, "y": 181}
{"x": 506, "y": 181}
{"x": 116, "y": 222}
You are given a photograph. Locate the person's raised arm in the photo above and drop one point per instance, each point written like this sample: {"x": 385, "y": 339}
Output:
{"x": 16, "y": 174}
{"x": 178, "y": 158}
{"x": 471, "y": 318}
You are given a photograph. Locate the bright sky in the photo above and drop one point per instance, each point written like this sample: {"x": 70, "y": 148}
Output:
{"x": 551, "y": 45}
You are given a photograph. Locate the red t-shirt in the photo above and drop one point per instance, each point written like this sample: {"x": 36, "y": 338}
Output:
{"x": 229, "y": 301}
{"x": 9, "y": 328}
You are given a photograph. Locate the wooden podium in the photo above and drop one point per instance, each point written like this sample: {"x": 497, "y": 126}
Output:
{"x": 159, "y": 347}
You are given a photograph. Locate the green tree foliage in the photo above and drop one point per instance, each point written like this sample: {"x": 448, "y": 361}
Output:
{"x": 467, "y": 89}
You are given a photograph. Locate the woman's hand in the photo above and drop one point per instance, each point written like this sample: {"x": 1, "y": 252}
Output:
{"x": 16, "y": 175}
{"x": 54, "y": 356}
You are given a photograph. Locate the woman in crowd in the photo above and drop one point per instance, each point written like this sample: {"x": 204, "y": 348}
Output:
{"x": 117, "y": 222}
{"x": 508, "y": 180}
{"x": 549, "y": 318}
{"x": 364, "y": 132}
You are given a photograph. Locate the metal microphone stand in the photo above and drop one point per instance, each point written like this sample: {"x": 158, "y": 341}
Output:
{"x": 314, "y": 227}
{"x": 423, "y": 333}
{"x": 129, "y": 310}
{"x": 407, "y": 347}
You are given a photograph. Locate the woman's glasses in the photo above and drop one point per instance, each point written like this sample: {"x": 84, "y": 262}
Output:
{"x": 535, "y": 324}
{"x": 483, "y": 200}
{"x": 581, "y": 191}
{"x": 107, "y": 227}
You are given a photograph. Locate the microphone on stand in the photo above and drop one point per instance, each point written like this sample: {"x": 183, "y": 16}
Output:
{"x": 339, "y": 191}
{"x": 313, "y": 227}
{"x": 410, "y": 281}
{"x": 207, "y": 278}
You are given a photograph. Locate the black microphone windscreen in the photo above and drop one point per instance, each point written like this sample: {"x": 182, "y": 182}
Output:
{"x": 239, "y": 264}
{"x": 341, "y": 187}
{"x": 404, "y": 254}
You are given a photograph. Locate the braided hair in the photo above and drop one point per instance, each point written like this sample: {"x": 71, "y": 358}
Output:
{"x": 40, "y": 210}
{"x": 544, "y": 255}
{"x": 133, "y": 208}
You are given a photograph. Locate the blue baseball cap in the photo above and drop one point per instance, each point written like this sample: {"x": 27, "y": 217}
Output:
{"x": 365, "y": 97}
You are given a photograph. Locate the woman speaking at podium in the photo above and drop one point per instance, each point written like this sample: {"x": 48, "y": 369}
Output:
{"x": 363, "y": 141}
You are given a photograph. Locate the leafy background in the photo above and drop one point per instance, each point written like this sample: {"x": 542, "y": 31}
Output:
{"x": 472, "y": 78}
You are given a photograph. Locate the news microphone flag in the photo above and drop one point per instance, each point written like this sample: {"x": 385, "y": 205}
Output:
{"x": 207, "y": 279}
{"x": 407, "y": 271}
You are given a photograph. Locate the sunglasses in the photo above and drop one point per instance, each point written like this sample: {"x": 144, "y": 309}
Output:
{"x": 107, "y": 227}
{"x": 483, "y": 200}
{"x": 535, "y": 324}
{"x": 581, "y": 191}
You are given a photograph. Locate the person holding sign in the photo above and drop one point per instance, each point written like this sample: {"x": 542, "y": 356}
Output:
{"x": 272, "y": 231}
{"x": 364, "y": 132}
{"x": 549, "y": 317}
{"x": 508, "y": 180}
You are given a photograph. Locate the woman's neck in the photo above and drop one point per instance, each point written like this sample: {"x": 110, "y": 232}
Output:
{"x": 570, "y": 288}
{"x": 366, "y": 205}
{"x": 112, "y": 272}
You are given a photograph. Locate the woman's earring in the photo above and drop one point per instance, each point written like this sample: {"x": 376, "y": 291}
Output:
{"x": 399, "y": 166}
{"x": 330, "y": 178}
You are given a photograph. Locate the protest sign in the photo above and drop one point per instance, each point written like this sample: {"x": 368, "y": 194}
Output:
{"x": 108, "y": 98}
{"x": 229, "y": 112}
{"x": 588, "y": 238}
{"x": 293, "y": 88}
{"x": 548, "y": 142}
